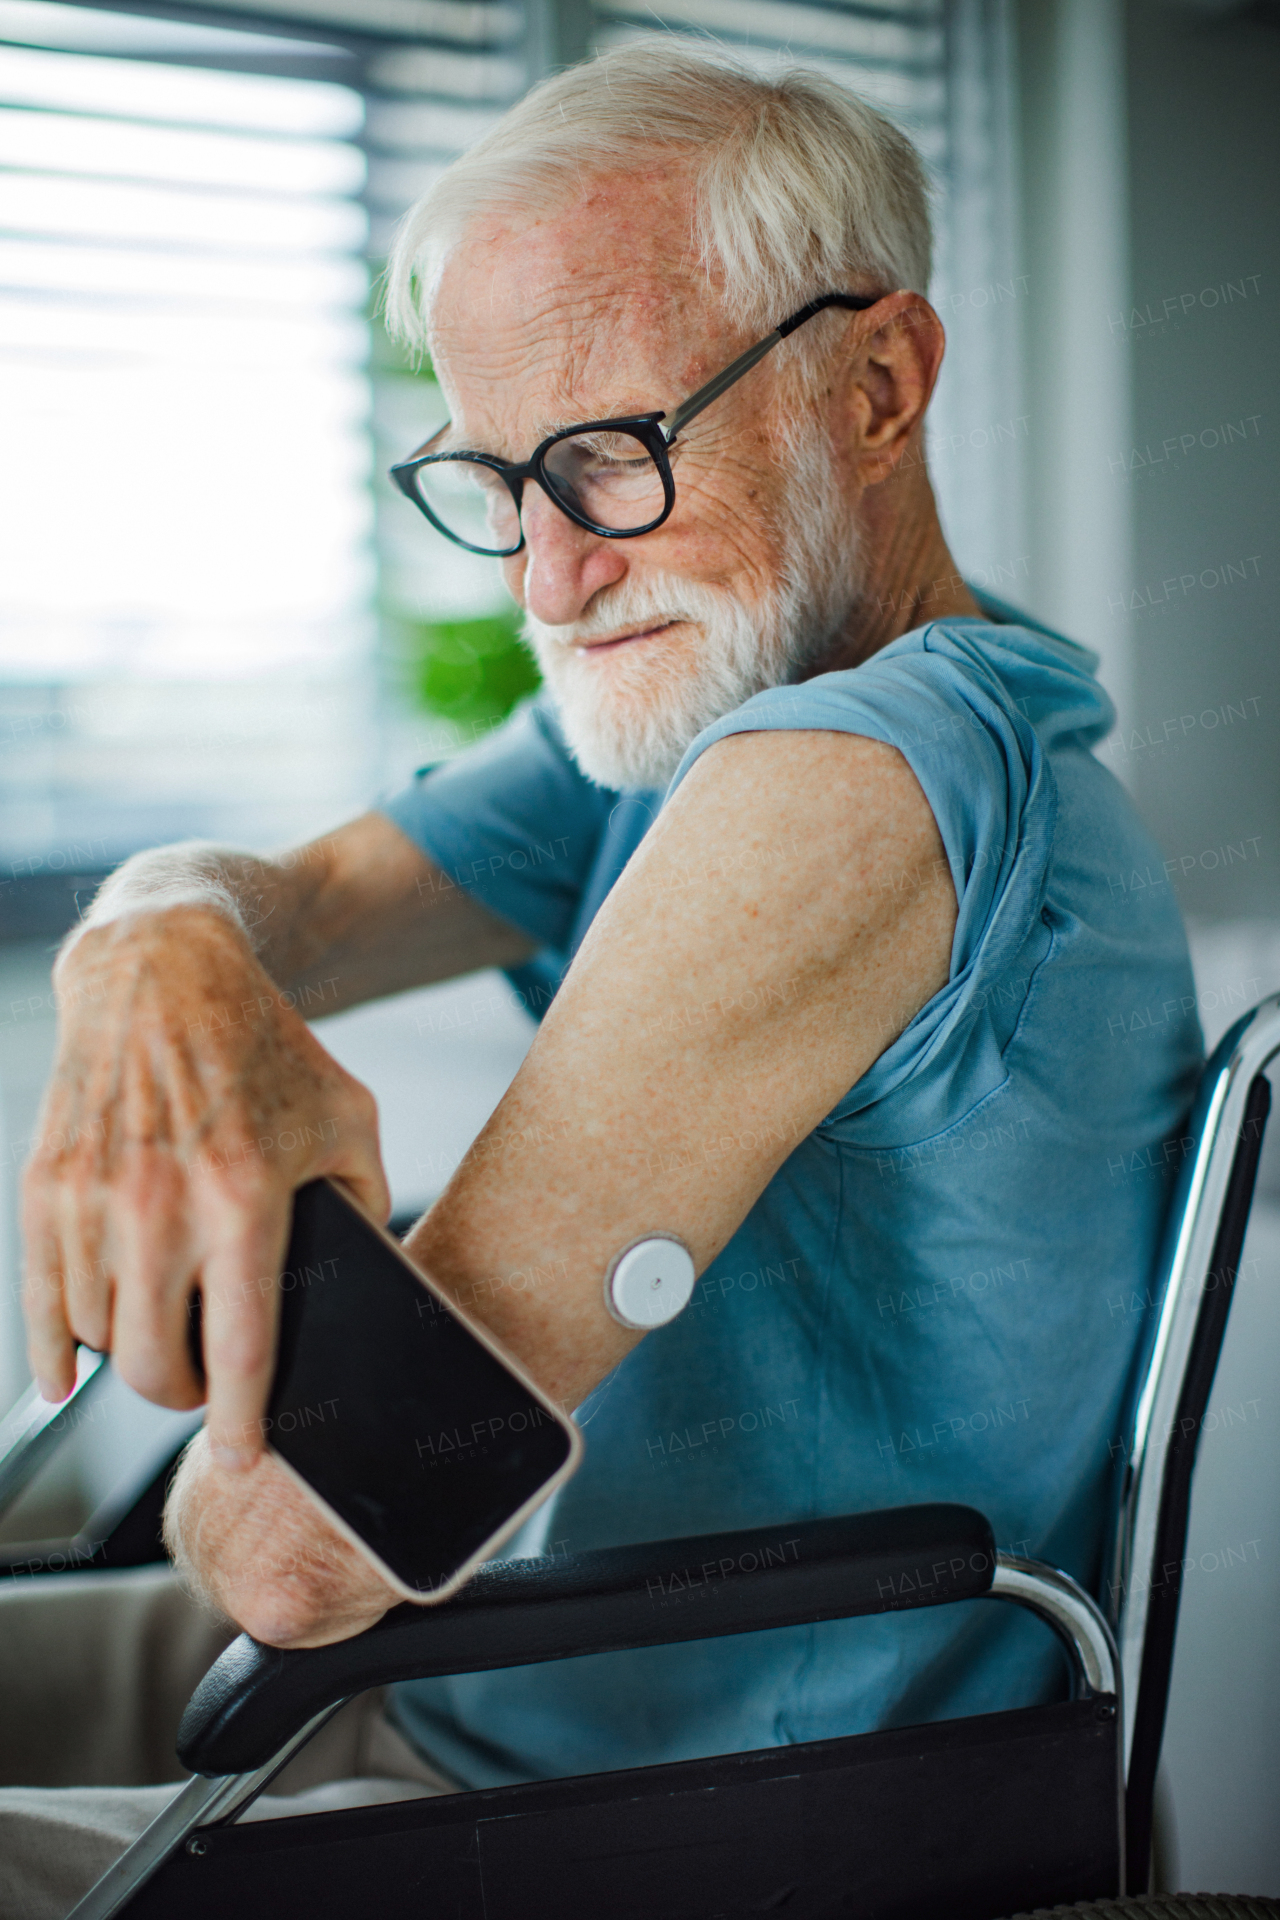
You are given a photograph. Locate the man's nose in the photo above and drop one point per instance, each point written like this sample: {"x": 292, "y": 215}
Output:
{"x": 564, "y": 565}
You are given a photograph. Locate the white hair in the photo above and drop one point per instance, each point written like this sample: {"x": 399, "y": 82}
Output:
{"x": 800, "y": 187}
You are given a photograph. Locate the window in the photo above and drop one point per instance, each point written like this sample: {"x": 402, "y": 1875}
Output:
{"x": 191, "y": 218}
{"x": 184, "y": 499}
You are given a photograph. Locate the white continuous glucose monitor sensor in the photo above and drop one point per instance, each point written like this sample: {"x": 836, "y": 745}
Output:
{"x": 649, "y": 1282}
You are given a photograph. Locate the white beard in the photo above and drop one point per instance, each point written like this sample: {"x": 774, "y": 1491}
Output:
{"x": 629, "y": 715}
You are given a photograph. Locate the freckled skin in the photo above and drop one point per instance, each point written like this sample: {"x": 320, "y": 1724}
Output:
{"x": 651, "y": 1098}
{"x": 558, "y": 334}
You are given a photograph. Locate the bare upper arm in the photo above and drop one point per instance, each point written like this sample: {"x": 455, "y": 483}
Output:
{"x": 786, "y": 916}
{"x": 364, "y": 912}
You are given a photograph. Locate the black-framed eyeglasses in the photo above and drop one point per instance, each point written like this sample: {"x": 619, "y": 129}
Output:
{"x": 612, "y": 477}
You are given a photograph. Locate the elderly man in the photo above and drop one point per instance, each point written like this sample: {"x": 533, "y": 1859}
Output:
{"x": 836, "y": 907}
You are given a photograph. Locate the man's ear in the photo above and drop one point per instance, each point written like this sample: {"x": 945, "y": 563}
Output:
{"x": 893, "y": 368}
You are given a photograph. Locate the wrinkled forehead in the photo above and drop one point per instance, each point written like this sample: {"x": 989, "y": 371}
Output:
{"x": 590, "y": 309}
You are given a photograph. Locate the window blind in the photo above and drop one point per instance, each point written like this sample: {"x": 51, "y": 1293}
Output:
{"x": 191, "y": 219}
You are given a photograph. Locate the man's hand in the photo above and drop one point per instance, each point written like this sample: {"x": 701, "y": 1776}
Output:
{"x": 188, "y": 1100}
{"x": 256, "y": 1547}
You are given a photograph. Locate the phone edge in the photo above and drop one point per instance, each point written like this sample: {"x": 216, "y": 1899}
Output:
{"x": 470, "y": 1566}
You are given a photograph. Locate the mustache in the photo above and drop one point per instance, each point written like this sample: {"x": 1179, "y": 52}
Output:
{"x": 658, "y": 603}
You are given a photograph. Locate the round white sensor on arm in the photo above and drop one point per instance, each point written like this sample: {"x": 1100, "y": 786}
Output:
{"x": 649, "y": 1282}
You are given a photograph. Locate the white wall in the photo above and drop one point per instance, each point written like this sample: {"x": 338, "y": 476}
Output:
{"x": 1075, "y": 254}
{"x": 1150, "y": 174}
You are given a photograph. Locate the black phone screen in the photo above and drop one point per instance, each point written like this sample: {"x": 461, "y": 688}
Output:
{"x": 417, "y": 1436}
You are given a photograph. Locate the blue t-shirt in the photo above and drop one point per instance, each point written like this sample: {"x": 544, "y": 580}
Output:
{"x": 938, "y": 1295}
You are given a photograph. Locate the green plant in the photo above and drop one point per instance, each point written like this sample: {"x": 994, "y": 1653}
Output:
{"x": 469, "y": 671}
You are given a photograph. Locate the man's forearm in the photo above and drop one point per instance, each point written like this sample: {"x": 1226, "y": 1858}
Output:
{"x": 359, "y": 913}
{"x": 262, "y": 899}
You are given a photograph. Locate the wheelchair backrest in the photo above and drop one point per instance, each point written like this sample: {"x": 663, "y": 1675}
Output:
{"x": 1191, "y": 1291}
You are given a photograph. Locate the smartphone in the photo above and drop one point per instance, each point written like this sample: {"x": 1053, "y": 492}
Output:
{"x": 420, "y": 1439}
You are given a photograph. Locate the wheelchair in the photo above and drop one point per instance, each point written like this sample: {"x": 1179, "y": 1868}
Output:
{"x": 1002, "y": 1813}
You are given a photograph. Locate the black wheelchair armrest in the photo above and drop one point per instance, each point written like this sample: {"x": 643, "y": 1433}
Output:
{"x": 515, "y": 1613}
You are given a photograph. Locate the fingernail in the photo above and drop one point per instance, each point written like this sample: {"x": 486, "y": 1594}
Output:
{"x": 233, "y": 1459}
{"x": 48, "y": 1391}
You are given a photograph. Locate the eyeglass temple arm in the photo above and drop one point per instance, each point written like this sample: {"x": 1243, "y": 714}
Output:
{"x": 677, "y": 421}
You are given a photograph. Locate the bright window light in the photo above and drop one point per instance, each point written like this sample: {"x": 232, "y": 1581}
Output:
{"x": 185, "y": 499}
{"x": 58, "y": 143}
{"x": 100, "y": 210}
{"x": 185, "y": 96}
{"x": 46, "y": 23}
{"x": 311, "y": 281}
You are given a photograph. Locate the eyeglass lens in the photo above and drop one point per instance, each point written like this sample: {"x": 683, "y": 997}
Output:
{"x": 472, "y": 501}
{"x": 607, "y": 478}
